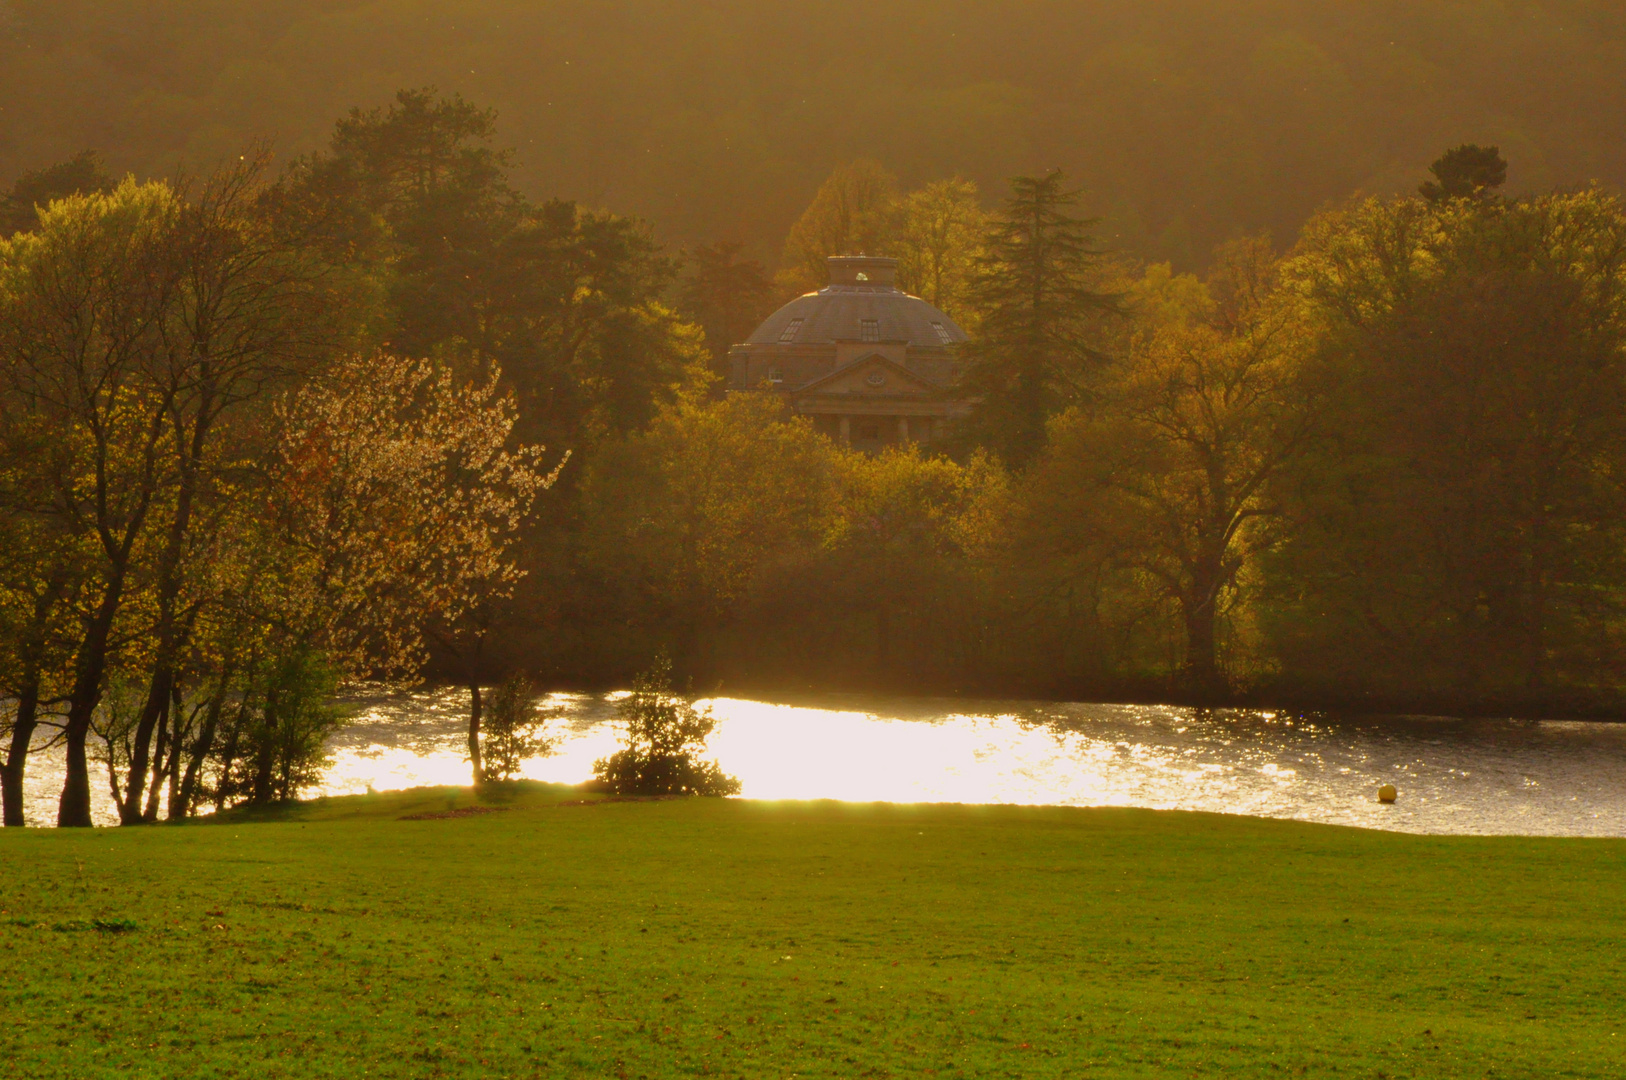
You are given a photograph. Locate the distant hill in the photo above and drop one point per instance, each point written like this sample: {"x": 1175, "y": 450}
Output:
{"x": 1187, "y": 119}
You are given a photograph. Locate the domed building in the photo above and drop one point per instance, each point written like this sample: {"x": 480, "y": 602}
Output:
{"x": 872, "y": 365}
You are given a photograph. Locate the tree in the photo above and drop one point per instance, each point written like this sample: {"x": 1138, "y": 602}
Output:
{"x": 1169, "y": 476}
{"x": 253, "y": 313}
{"x": 1036, "y": 291}
{"x": 415, "y": 193}
{"x": 398, "y": 502}
{"x": 513, "y": 732}
{"x": 85, "y": 299}
{"x": 567, "y": 302}
{"x": 1465, "y": 538}
{"x": 902, "y": 551}
{"x": 665, "y": 736}
{"x": 81, "y": 174}
{"x": 276, "y": 743}
{"x": 144, "y": 330}
{"x": 938, "y": 241}
{"x": 726, "y": 298}
{"x": 581, "y": 328}
{"x": 43, "y": 567}
{"x": 1465, "y": 172}
{"x": 849, "y": 215}
{"x": 686, "y": 517}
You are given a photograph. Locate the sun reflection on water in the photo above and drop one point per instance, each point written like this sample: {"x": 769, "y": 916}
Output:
{"x": 1455, "y": 776}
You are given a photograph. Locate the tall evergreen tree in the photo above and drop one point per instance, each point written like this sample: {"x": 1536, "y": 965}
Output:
{"x": 1036, "y": 288}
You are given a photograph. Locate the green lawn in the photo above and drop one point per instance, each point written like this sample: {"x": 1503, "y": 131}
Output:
{"x": 728, "y": 938}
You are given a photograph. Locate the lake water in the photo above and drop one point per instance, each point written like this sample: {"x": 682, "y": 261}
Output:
{"x": 1551, "y": 778}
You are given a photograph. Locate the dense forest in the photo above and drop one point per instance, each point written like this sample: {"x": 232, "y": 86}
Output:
{"x": 1186, "y": 121}
{"x": 1318, "y": 419}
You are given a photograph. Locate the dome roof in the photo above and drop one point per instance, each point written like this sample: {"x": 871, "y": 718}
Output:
{"x": 861, "y": 290}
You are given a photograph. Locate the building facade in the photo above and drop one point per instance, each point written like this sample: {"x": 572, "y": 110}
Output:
{"x": 870, "y": 364}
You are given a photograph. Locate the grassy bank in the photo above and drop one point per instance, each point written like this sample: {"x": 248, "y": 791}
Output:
{"x": 810, "y": 939}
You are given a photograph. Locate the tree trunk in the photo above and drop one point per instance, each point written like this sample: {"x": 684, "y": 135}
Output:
{"x": 1198, "y": 607}
{"x": 474, "y": 734}
{"x": 1535, "y": 614}
{"x": 1202, "y": 671}
{"x": 73, "y": 810}
{"x": 28, "y": 699}
{"x": 228, "y": 759}
{"x": 181, "y": 797}
{"x": 153, "y": 714}
{"x": 163, "y": 762}
{"x": 170, "y": 636}
{"x": 22, "y": 736}
{"x": 265, "y": 754}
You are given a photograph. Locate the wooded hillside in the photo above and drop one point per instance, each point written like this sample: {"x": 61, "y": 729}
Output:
{"x": 1187, "y": 120}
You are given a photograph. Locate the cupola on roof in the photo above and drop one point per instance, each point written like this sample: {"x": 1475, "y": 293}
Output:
{"x": 861, "y": 303}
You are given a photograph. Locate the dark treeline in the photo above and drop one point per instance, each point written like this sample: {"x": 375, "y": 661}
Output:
{"x": 376, "y": 413}
{"x": 1186, "y": 119}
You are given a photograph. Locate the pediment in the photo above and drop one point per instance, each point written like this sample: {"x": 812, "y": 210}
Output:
{"x": 873, "y": 376}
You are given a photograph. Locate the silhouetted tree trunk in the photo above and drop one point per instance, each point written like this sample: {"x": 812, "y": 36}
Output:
{"x": 90, "y": 667}
{"x": 474, "y": 733}
{"x": 183, "y": 795}
{"x": 22, "y": 736}
{"x": 26, "y": 721}
{"x": 1202, "y": 666}
{"x": 154, "y": 720}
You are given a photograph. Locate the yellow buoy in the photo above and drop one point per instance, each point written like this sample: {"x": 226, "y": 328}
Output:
{"x": 1387, "y": 793}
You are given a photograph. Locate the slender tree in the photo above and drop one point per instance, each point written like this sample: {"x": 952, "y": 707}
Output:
{"x": 84, "y": 301}
{"x": 252, "y": 314}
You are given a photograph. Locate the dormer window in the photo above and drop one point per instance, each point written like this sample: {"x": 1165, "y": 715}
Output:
{"x": 788, "y": 334}
{"x": 942, "y": 333}
{"x": 869, "y": 329}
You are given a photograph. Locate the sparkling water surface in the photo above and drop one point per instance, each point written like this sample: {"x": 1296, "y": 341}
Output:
{"x": 1544, "y": 777}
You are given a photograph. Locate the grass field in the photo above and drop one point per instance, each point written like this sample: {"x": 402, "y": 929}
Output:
{"x": 727, "y": 938}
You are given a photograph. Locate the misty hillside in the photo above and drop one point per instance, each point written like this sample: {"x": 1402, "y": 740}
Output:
{"x": 1186, "y": 119}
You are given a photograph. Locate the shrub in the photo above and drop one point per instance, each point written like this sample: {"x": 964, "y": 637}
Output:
{"x": 513, "y": 729}
{"x": 665, "y": 735}
{"x": 275, "y": 745}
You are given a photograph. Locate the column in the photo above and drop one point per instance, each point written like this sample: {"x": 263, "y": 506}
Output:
{"x": 846, "y": 431}
{"x": 903, "y": 430}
